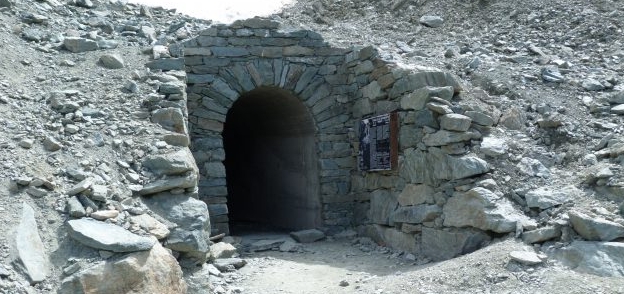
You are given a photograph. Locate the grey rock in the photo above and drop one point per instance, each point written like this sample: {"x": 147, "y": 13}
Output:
{"x": 383, "y": 203}
{"x": 455, "y": 122}
{"x": 28, "y": 248}
{"x": 215, "y": 169}
{"x": 36, "y": 192}
{"x": 525, "y": 257}
{"x": 552, "y": 74}
{"x": 192, "y": 242}
{"x": 112, "y": 61}
{"x": 75, "y": 208}
{"x": 6, "y": 3}
{"x": 175, "y": 163}
{"x": 604, "y": 259}
{"x": 224, "y": 264}
{"x": 541, "y": 235}
{"x": 595, "y": 228}
{"x": 105, "y": 236}
{"x": 151, "y": 225}
{"x": 431, "y": 21}
{"x": 416, "y": 194}
{"x": 533, "y": 167}
{"x": 153, "y": 271}
{"x": 444, "y": 137}
{"x": 494, "y": 147}
{"x": 545, "y": 197}
{"x": 107, "y": 44}
{"x": 78, "y": 45}
{"x": 398, "y": 240}
{"x": 618, "y": 109}
{"x": 482, "y": 209}
{"x": 169, "y": 183}
{"x": 264, "y": 245}
{"x": 51, "y": 144}
{"x": 167, "y": 64}
{"x": 26, "y": 143}
{"x": 307, "y": 236}
{"x": 82, "y": 186}
{"x": 415, "y": 214}
{"x": 480, "y": 118}
{"x": 617, "y": 98}
{"x": 592, "y": 85}
{"x": 446, "y": 244}
{"x": 186, "y": 212}
{"x": 513, "y": 119}
{"x": 84, "y": 3}
{"x": 170, "y": 118}
{"x": 222, "y": 250}
{"x": 99, "y": 193}
{"x": 290, "y": 246}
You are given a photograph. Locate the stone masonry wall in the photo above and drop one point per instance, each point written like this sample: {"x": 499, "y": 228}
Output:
{"x": 225, "y": 62}
{"x": 438, "y": 201}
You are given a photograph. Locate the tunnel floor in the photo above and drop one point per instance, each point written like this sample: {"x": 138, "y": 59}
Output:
{"x": 271, "y": 162}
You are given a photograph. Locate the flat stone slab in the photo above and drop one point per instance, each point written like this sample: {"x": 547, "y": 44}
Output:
{"x": 106, "y": 236}
{"x": 307, "y": 236}
{"x": 224, "y": 264}
{"x": 525, "y": 257}
{"x": 29, "y": 249}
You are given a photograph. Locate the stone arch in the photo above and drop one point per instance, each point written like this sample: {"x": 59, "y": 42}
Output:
{"x": 226, "y": 63}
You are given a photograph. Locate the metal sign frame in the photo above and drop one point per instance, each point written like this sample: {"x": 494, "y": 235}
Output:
{"x": 379, "y": 144}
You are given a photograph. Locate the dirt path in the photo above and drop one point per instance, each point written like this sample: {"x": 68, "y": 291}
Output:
{"x": 340, "y": 266}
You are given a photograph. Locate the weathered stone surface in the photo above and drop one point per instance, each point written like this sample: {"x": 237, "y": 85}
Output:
{"x": 383, "y": 204}
{"x": 397, "y": 239}
{"x": 415, "y": 214}
{"x": 226, "y": 264}
{"x": 480, "y": 118}
{"x": 104, "y": 214}
{"x": 112, "y": 61}
{"x": 222, "y": 250}
{"x": 27, "y": 248}
{"x": 617, "y": 98}
{"x": 461, "y": 167}
{"x": 153, "y": 271}
{"x": 604, "y": 259}
{"x": 444, "y": 137}
{"x": 416, "y": 194}
{"x": 415, "y": 100}
{"x": 431, "y": 21}
{"x": 264, "y": 245}
{"x": 167, "y": 64}
{"x": 546, "y": 197}
{"x": 513, "y": 119}
{"x": 175, "y": 163}
{"x": 482, "y": 209}
{"x": 171, "y": 119}
{"x": 525, "y": 257}
{"x": 75, "y": 208}
{"x": 307, "y": 236}
{"x": 442, "y": 244}
{"x": 51, "y": 144}
{"x": 151, "y": 225}
{"x": 492, "y": 146}
{"x": 106, "y": 236}
{"x": 595, "y": 228}
{"x": 83, "y": 185}
{"x": 77, "y": 45}
{"x": 430, "y": 168}
{"x": 190, "y": 222}
{"x": 215, "y": 169}
{"x": 188, "y": 181}
{"x": 533, "y": 167}
{"x": 455, "y": 122}
{"x": 541, "y": 235}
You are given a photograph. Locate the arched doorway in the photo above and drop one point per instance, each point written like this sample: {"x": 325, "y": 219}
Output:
{"x": 271, "y": 161}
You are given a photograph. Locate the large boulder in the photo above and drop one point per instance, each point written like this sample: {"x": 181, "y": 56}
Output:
{"x": 446, "y": 244}
{"x": 189, "y": 222}
{"x": 174, "y": 163}
{"x": 105, "y": 236}
{"x": 545, "y": 197}
{"x": 27, "y": 249}
{"x": 595, "y": 228}
{"x": 153, "y": 271}
{"x": 480, "y": 208}
{"x": 597, "y": 258}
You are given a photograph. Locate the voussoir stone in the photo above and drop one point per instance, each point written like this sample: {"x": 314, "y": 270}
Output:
{"x": 105, "y": 236}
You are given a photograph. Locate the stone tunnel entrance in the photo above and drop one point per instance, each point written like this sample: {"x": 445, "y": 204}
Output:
{"x": 271, "y": 161}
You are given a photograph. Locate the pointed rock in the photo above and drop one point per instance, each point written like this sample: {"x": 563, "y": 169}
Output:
{"x": 29, "y": 249}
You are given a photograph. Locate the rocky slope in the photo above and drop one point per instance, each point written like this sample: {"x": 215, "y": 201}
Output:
{"x": 78, "y": 138}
